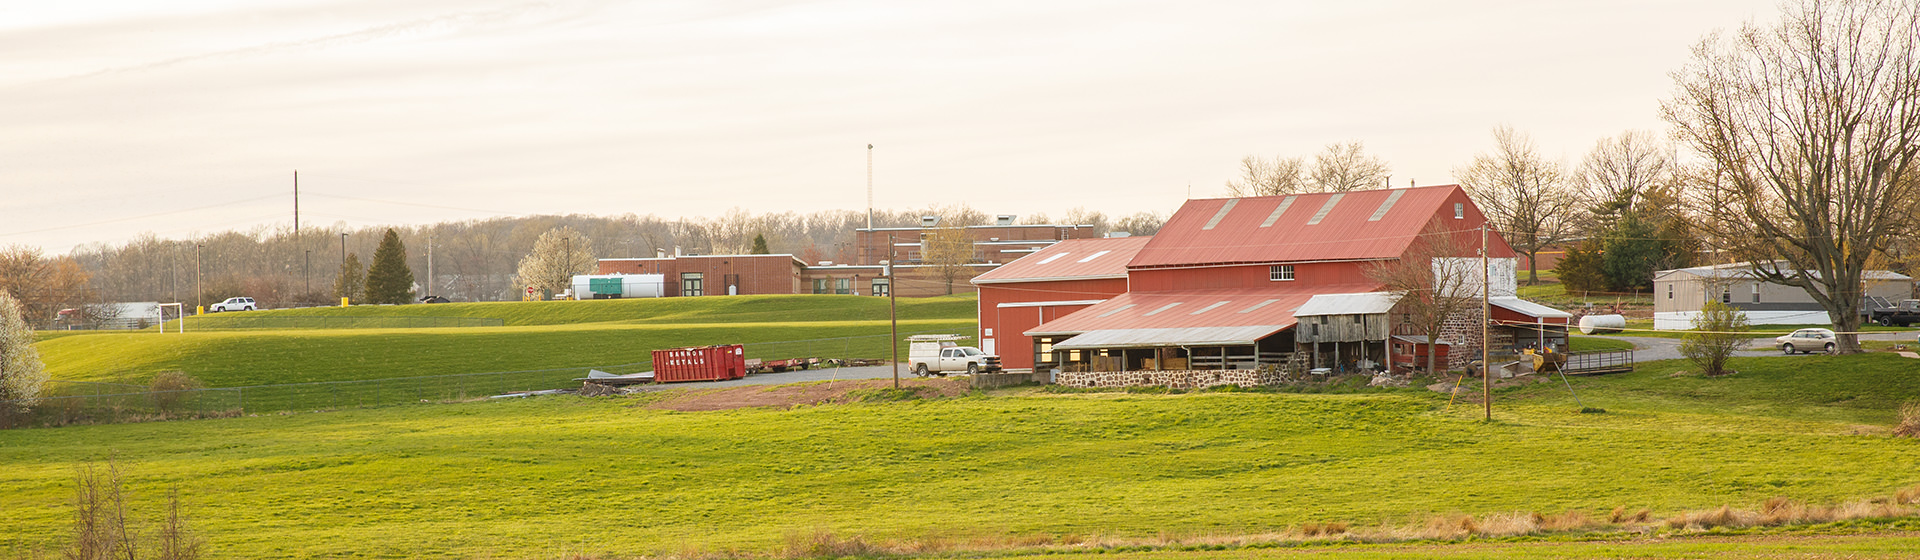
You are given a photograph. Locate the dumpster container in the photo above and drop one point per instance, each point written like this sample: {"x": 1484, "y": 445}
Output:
{"x": 700, "y": 363}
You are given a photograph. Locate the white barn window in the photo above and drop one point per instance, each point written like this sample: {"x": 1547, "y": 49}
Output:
{"x": 1280, "y": 273}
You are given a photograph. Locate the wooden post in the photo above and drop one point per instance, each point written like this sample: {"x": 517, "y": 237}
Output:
{"x": 1486, "y": 319}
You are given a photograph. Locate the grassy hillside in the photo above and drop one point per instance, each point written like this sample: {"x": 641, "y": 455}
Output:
{"x": 748, "y": 309}
{"x": 541, "y": 335}
{"x": 542, "y": 477}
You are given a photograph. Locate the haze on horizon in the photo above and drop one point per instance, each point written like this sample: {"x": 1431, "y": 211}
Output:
{"x": 189, "y": 117}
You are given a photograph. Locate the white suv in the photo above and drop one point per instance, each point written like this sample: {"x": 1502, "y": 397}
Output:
{"x": 232, "y": 304}
{"x": 1806, "y": 340}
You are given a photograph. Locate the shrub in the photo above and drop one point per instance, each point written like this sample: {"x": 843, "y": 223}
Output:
{"x": 1909, "y": 425}
{"x": 170, "y": 389}
{"x": 1714, "y": 337}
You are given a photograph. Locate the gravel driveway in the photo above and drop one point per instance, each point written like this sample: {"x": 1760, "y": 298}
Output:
{"x": 1648, "y": 348}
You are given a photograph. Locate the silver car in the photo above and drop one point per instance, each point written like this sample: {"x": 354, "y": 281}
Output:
{"x": 1806, "y": 341}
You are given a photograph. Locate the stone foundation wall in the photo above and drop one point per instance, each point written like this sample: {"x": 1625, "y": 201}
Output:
{"x": 1177, "y": 379}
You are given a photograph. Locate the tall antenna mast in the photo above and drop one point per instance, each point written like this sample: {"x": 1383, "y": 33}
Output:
{"x": 869, "y": 187}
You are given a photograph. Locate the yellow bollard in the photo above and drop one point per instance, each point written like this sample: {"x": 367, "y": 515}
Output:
{"x": 343, "y": 302}
{"x": 199, "y": 310}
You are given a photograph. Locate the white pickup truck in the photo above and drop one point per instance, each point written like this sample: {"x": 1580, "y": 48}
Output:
{"x": 939, "y": 354}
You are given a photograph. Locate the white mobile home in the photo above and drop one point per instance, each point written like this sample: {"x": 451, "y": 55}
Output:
{"x": 1679, "y": 295}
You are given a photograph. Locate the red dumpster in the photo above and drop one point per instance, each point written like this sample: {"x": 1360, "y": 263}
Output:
{"x": 700, "y": 363}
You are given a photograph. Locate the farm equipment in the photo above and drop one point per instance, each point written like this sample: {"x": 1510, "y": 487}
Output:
{"x": 776, "y": 366}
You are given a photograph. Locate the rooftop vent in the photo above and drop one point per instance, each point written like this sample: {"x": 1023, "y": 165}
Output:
{"x": 1118, "y": 234}
{"x": 1004, "y": 219}
{"x": 929, "y": 221}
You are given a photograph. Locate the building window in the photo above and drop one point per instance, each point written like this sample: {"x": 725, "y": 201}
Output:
{"x": 1756, "y": 292}
{"x": 880, "y": 287}
{"x": 692, "y": 284}
{"x": 820, "y": 286}
{"x": 1669, "y": 291}
{"x": 1459, "y": 210}
{"x": 1726, "y": 294}
{"x": 1280, "y": 272}
{"x": 843, "y": 286}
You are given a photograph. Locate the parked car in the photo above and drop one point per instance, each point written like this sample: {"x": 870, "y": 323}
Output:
{"x": 232, "y": 304}
{"x": 1806, "y": 341}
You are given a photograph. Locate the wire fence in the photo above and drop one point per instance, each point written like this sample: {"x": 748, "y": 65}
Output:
{"x": 242, "y": 322}
{"x": 76, "y": 402}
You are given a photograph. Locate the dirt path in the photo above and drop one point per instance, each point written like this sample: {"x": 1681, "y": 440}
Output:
{"x": 786, "y": 396}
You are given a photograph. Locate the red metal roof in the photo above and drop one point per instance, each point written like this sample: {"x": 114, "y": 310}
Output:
{"x": 1195, "y": 309}
{"x": 1073, "y": 259}
{"x": 1356, "y": 225}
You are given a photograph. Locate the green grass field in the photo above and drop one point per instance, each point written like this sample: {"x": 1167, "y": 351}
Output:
{"x": 541, "y": 477}
{"x": 538, "y": 335}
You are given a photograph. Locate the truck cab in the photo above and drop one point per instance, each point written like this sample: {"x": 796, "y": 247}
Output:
{"x": 939, "y": 354}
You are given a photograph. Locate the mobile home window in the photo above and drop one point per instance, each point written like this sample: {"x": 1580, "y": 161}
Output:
{"x": 692, "y": 284}
{"x": 1669, "y": 291}
{"x": 1726, "y": 295}
{"x": 1756, "y": 292}
{"x": 1280, "y": 272}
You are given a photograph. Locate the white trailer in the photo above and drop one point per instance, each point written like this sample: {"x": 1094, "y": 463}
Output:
{"x": 615, "y": 286}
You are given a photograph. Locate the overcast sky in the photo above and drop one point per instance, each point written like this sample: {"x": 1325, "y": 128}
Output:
{"x": 187, "y": 117}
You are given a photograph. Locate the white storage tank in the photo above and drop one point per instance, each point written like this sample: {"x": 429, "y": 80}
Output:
{"x": 1602, "y": 324}
{"x": 614, "y": 286}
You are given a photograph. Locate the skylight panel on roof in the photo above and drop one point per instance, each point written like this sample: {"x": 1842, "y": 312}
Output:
{"x": 1259, "y": 305}
{"x": 1285, "y": 203}
{"x": 1215, "y": 305}
{"x": 1094, "y": 256}
{"x": 1387, "y": 205}
{"x": 1331, "y": 200}
{"x": 1224, "y": 209}
{"x": 1116, "y": 310}
{"x": 1055, "y": 257}
{"x": 1162, "y": 308}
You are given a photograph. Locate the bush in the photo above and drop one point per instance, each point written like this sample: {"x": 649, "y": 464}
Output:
{"x": 1714, "y": 337}
{"x": 1909, "y": 425}
{"x": 170, "y": 389}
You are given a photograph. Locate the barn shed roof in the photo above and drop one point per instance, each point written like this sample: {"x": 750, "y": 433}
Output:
{"x": 1073, "y": 259}
{"x": 1355, "y": 225}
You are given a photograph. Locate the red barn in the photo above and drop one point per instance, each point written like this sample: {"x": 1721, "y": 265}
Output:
{"x": 1050, "y": 283}
{"x": 1219, "y": 285}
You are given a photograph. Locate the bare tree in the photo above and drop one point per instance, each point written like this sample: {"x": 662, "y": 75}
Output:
{"x": 1620, "y": 169}
{"x": 1812, "y": 128}
{"x": 1343, "y": 167}
{"x": 1141, "y": 223}
{"x": 1432, "y": 283}
{"x": 1525, "y": 195}
{"x": 1269, "y": 177}
{"x": 1080, "y": 216}
{"x": 559, "y": 254}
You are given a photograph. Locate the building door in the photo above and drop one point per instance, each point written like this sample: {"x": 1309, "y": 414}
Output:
{"x": 692, "y": 284}
{"x": 881, "y": 287}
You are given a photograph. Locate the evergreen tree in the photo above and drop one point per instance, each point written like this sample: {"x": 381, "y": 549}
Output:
{"x": 760, "y": 245}
{"x": 1633, "y": 252}
{"x": 352, "y": 281}
{"x": 21, "y": 372}
{"x": 1580, "y": 270}
{"x": 388, "y": 278}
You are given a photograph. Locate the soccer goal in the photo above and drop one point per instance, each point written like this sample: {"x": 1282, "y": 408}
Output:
{"x": 179, "y": 310}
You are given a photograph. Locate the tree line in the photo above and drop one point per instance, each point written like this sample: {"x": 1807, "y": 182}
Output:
{"x": 471, "y": 260}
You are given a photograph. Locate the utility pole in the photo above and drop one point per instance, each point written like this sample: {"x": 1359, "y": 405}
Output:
{"x": 566, "y": 267}
{"x": 430, "y": 263}
{"x": 197, "y": 292}
{"x": 306, "y": 270}
{"x": 870, "y": 197}
{"x": 1486, "y": 319}
{"x": 893, "y": 313}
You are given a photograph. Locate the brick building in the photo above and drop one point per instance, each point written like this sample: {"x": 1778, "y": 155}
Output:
{"x": 698, "y": 275}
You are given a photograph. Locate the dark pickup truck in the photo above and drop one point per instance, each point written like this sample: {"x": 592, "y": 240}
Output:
{"x": 1879, "y": 310}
